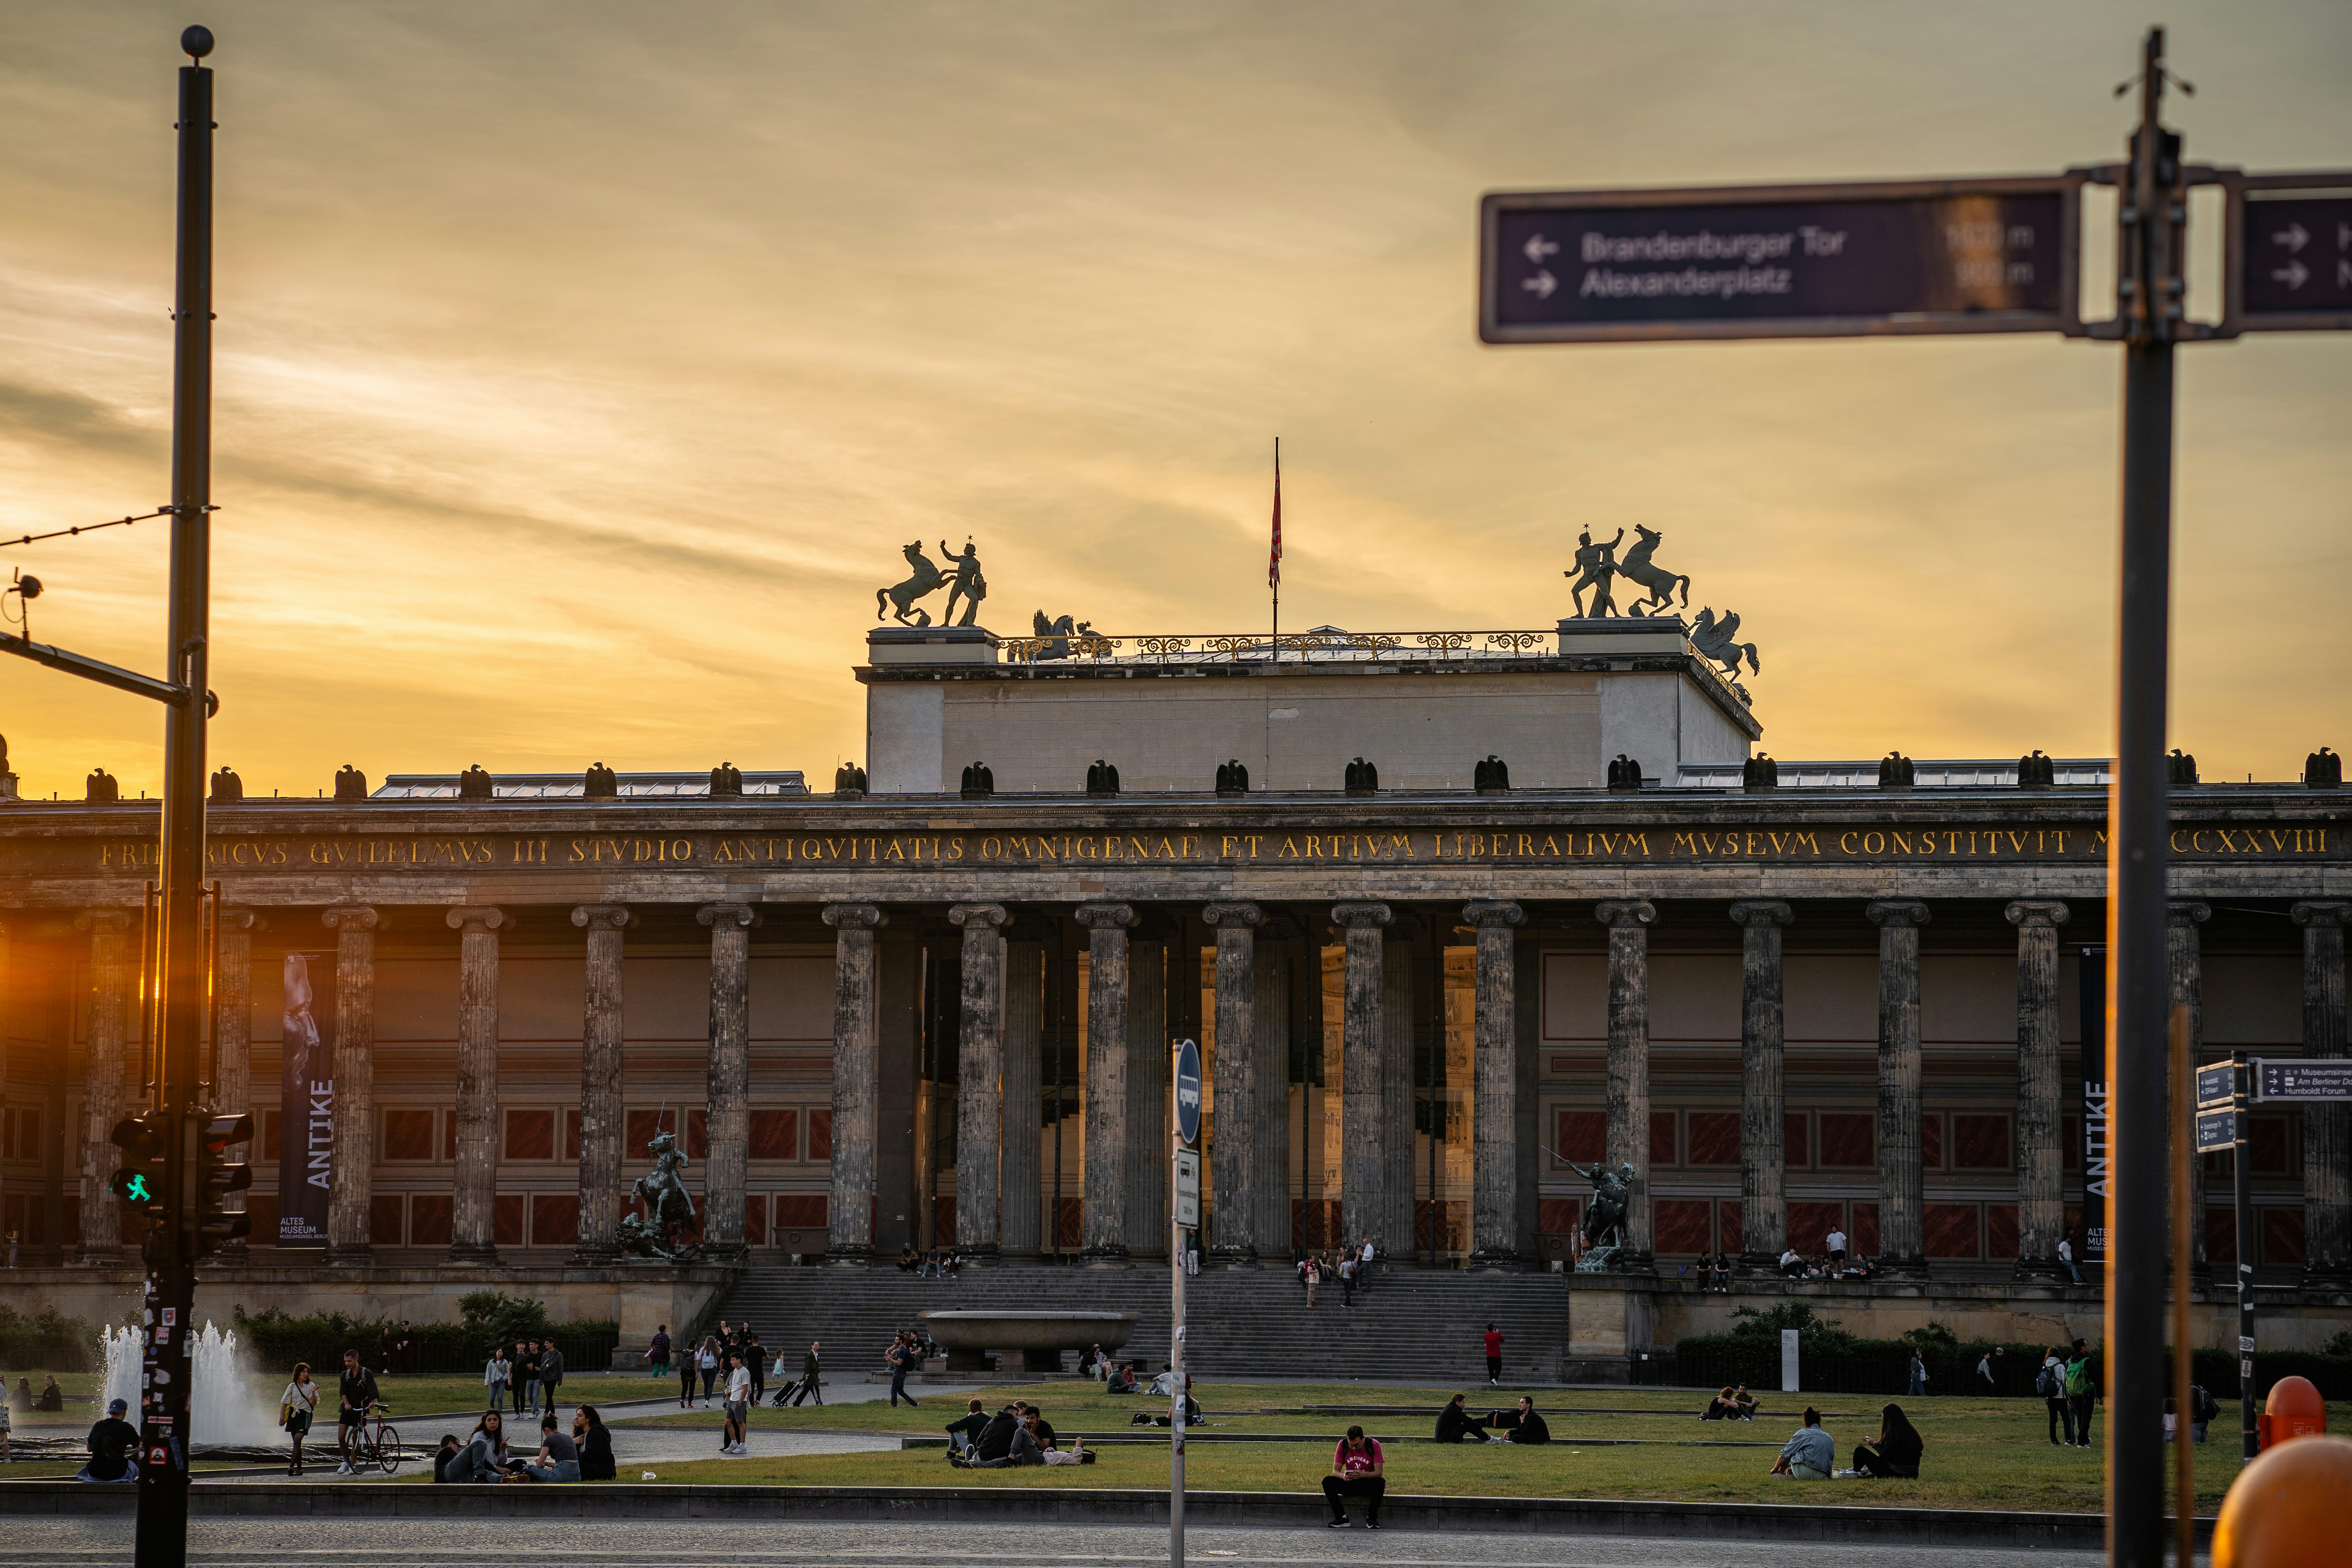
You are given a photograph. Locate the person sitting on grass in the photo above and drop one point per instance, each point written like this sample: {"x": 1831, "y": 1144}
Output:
{"x": 1746, "y": 1402}
{"x": 1894, "y": 1452}
{"x": 1020, "y": 1443}
{"x": 52, "y": 1398}
{"x": 964, "y": 1435}
{"x": 1039, "y": 1427}
{"x": 1809, "y": 1455}
{"x": 1724, "y": 1407}
{"x": 1356, "y": 1466}
{"x": 995, "y": 1439}
{"x": 112, "y": 1442}
{"x": 483, "y": 1457}
{"x": 450, "y": 1448}
{"x": 1123, "y": 1381}
{"x": 1456, "y": 1424}
{"x": 594, "y": 1441}
{"x": 1520, "y": 1426}
{"x": 559, "y": 1456}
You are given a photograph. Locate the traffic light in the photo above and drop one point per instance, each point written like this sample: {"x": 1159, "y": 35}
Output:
{"x": 218, "y": 1177}
{"x": 139, "y": 1182}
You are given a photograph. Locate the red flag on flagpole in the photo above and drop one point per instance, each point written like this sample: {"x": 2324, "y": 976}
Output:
{"x": 1274, "y": 562}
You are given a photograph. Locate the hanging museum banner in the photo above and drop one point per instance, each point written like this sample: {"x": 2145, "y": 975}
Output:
{"x": 306, "y": 1137}
{"x": 2092, "y": 984}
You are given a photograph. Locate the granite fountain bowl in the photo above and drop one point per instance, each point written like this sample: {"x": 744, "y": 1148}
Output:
{"x": 1038, "y": 1336}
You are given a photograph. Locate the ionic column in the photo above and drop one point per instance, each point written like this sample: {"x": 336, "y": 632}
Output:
{"x": 1629, "y": 1066}
{"x": 350, "y": 1167}
{"x": 599, "y": 1088}
{"x": 473, "y": 1203}
{"x": 1018, "y": 1218}
{"x": 2327, "y": 1202}
{"x": 979, "y": 1066}
{"x": 104, "y": 1066}
{"x": 1763, "y": 1135}
{"x": 726, "y": 1112}
{"x": 233, "y": 1037}
{"x": 857, "y": 1071}
{"x": 1106, "y": 1168}
{"x": 1494, "y": 1109}
{"x": 1270, "y": 1094}
{"x": 1902, "y": 1236}
{"x": 1148, "y": 1070}
{"x": 2185, "y": 970}
{"x": 1363, "y": 1049}
{"x": 2041, "y": 1154}
{"x": 1233, "y": 1165}
{"x": 1404, "y": 1173}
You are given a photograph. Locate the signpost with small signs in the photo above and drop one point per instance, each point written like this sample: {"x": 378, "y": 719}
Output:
{"x": 1998, "y": 255}
{"x": 1183, "y": 1214}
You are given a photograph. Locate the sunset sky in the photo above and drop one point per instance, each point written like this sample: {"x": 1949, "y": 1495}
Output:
{"x": 584, "y": 367}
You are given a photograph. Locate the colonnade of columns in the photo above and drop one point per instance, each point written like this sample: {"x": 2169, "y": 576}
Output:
{"x": 999, "y": 1049}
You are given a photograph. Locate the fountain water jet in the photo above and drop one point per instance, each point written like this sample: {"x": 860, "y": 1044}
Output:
{"x": 223, "y": 1409}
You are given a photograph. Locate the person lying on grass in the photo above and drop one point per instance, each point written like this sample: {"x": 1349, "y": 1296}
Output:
{"x": 1811, "y": 1455}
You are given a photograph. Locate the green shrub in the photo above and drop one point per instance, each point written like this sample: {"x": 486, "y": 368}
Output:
{"x": 488, "y": 1318}
{"x": 46, "y": 1339}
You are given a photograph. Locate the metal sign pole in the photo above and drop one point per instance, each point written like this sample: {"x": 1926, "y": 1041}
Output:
{"x": 2241, "y": 1181}
{"x": 1175, "y": 1329}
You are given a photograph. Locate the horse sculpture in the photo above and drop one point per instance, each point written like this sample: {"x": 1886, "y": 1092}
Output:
{"x": 669, "y": 1207}
{"x": 1660, "y": 581}
{"x": 927, "y": 579}
{"x": 1604, "y": 1217}
{"x": 1713, "y": 639}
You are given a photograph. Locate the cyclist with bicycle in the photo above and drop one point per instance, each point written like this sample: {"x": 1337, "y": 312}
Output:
{"x": 359, "y": 1395}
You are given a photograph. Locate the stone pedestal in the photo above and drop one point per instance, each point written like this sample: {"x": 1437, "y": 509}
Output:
{"x": 1902, "y": 1243}
{"x": 473, "y": 1192}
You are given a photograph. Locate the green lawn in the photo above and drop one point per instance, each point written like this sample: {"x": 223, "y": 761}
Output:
{"x": 412, "y": 1395}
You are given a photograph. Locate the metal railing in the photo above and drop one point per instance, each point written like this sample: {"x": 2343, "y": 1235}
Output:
{"x": 1322, "y": 645}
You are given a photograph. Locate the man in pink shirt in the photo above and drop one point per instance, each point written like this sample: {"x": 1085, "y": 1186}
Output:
{"x": 1356, "y": 1466}
{"x": 1493, "y": 1338}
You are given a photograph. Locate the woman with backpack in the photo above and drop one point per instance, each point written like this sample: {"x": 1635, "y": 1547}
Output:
{"x": 2082, "y": 1394}
{"x": 2050, "y": 1382}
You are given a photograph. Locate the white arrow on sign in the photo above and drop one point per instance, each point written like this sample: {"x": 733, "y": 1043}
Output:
{"x": 2295, "y": 236}
{"x": 1537, "y": 248}
{"x": 2293, "y": 274}
{"x": 1541, "y": 285}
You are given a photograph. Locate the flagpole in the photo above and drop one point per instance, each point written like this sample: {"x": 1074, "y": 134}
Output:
{"x": 1273, "y": 572}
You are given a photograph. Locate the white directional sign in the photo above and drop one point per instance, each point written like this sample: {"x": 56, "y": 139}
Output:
{"x": 2325, "y": 1078}
{"x": 2289, "y": 266}
{"x": 1187, "y": 1189}
{"x": 2216, "y": 1129}
{"x": 2215, "y": 1085}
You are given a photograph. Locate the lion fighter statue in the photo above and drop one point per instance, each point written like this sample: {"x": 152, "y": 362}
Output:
{"x": 669, "y": 1208}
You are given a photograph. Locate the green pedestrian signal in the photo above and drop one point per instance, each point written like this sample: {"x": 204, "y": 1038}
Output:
{"x": 139, "y": 1181}
{"x": 132, "y": 1187}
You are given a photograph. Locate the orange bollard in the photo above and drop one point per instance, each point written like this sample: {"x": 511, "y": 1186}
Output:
{"x": 2293, "y": 1410}
{"x": 2287, "y": 1509}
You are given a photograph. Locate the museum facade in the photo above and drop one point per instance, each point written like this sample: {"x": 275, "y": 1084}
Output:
{"x": 1780, "y": 1001}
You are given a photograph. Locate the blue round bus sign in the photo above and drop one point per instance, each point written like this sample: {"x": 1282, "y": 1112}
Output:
{"x": 1188, "y": 1091}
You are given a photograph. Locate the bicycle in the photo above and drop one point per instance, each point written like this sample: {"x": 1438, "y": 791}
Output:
{"x": 381, "y": 1447}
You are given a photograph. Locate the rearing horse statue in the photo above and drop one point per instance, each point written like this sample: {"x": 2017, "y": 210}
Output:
{"x": 926, "y": 580}
{"x": 1660, "y": 581}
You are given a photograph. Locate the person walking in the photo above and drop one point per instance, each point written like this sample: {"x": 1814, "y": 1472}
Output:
{"x": 295, "y": 1409}
{"x": 524, "y": 1379}
{"x": 1356, "y": 1466}
{"x": 495, "y": 1374}
{"x": 550, "y": 1376}
{"x": 1986, "y": 1383}
{"x": 706, "y": 1361}
{"x": 1919, "y": 1382}
{"x": 357, "y": 1394}
{"x": 658, "y": 1353}
{"x": 899, "y": 1353}
{"x": 686, "y": 1370}
{"x": 2051, "y": 1384}
{"x": 2082, "y": 1392}
{"x": 1493, "y": 1340}
{"x": 755, "y": 1361}
{"x": 812, "y": 1382}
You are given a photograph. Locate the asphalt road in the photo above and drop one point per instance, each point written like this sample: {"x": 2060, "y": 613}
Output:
{"x": 41, "y": 1542}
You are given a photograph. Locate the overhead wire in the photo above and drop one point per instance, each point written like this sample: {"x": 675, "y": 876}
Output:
{"x": 87, "y": 528}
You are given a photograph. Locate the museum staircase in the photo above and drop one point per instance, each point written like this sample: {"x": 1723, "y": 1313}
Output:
{"x": 1409, "y": 1323}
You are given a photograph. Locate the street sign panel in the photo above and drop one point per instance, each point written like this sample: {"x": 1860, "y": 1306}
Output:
{"x": 1780, "y": 261}
{"x": 2289, "y": 253}
{"x": 1187, "y": 1189}
{"x": 1188, "y": 1091}
{"x": 2216, "y": 1129}
{"x": 2215, "y": 1085}
{"x": 2328, "y": 1077}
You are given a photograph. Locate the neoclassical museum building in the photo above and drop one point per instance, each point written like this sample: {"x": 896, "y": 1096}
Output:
{"x": 1453, "y": 917}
